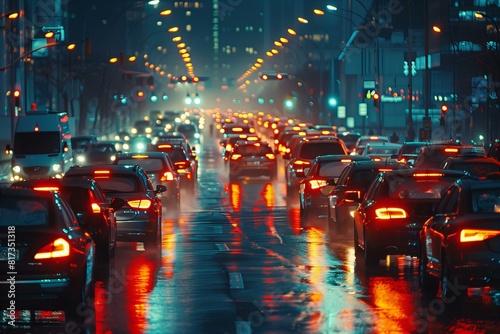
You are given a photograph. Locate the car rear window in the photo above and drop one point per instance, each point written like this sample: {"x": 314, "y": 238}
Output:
{"x": 361, "y": 180}
{"x": 418, "y": 187}
{"x": 331, "y": 168}
{"x": 312, "y": 150}
{"x": 486, "y": 201}
{"x": 149, "y": 165}
{"x": 475, "y": 168}
{"x": 256, "y": 149}
{"x": 22, "y": 211}
{"x": 127, "y": 183}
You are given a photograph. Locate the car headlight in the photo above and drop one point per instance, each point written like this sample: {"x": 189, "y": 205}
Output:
{"x": 80, "y": 158}
{"x": 56, "y": 167}
{"x": 16, "y": 169}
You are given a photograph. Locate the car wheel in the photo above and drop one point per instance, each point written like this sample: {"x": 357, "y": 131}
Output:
{"x": 304, "y": 216}
{"x": 153, "y": 240}
{"x": 372, "y": 254}
{"x": 79, "y": 306}
{"x": 428, "y": 284}
{"x": 452, "y": 293}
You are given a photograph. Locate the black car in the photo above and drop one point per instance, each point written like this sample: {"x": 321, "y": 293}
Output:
{"x": 389, "y": 218}
{"x": 460, "y": 242}
{"x": 160, "y": 170}
{"x": 345, "y": 195}
{"x": 90, "y": 205}
{"x": 472, "y": 164}
{"x": 140, "y": 218}
{"x": 494, "y": 150}
{"x": 43, "y": 246}
{"x": 325, "y": 169}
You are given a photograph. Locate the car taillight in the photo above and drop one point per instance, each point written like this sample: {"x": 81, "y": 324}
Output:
{"x": 390, "y": 213}
{"x": 315, "y": 184}
{"x": 140, "y": 203}
{"x": 299, "y": 165}
{"x": 57, "y": 248}
{"x": 270, "y": 156}
{"x": 167, "y": 176}
{"x": 96, "y": 208}
{"x": 46, "y": 188}
{"x": 470, "y": 235}
{"x": 182, "y": 164}
{"x": 235, "y": 156}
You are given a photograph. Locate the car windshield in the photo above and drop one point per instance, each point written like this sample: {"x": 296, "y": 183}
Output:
{"x": 22, "y": 211}
{"x": 418, "y": 187}
{"x": 149, "y": 165}
{"x": 486, "y": 201}
{"x": 175, "y": 154}
{"x": 313, "y": 150}
{"x": 331, "y": 168}
{"x": 47, "y": 142}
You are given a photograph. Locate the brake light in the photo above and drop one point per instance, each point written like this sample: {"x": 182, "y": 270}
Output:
{"x": 167, "y": 176}
{"x": 96, "y": 208}
{"x": 237, "y": 129}
{"x": 376, "y": 159}
{"x": 182, "y": 164}
{"x": 57, "y": 248}
{"x": 139, "y": 156}
{"x": 164, "y": 146}
{"x": 346, "y": 160}
{"x": 477, "y": 235}
{"x": 270, "y": 156}
{"x": 385, "y": 170}
{"x": 101, "y": 172}
{"x": 427, "y": 174}
{"x": 229, "y": 147}
{"x": 235, "y": 156}
{"x": 48, "y": 188}
{"x": 451, "y": 150}
{"x": 390, "y": 213}
{"x": 140, "y": 203}
{"x": 315, "y": 184}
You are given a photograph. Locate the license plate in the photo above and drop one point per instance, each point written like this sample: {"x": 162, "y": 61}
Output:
{"x": 4, "y": 254}
{"x": 254, "y": 163}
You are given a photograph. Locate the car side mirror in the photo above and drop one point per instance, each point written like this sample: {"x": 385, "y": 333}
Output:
{"x": 160, "y": 188}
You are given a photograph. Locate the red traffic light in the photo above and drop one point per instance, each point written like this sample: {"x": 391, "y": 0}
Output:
{"x": 264, "y": 77}
{"x": 279, "y": 76}
{"x": 17, "y": 93}
{"x": 184, "y": 78}
{"x": 444, "y": 108}
{"x": 376, "y": 96}
{"x": 195, "y": 79}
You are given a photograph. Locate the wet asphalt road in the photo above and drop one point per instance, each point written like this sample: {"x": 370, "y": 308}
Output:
{"x": 237, "y": 260}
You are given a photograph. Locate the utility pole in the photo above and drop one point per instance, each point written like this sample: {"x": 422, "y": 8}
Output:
{"x": 411, "y": 130}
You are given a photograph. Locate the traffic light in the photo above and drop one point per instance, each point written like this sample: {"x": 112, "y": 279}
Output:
{"x": 17, "y": 98}
{"x": 264, "y": 77}
{"x": 279, "y": 76}
{"x": 444, "y": 109}
{"x": 376, "y": 99}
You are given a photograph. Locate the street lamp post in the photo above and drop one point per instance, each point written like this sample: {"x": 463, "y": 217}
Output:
{"x": 453, "y": 46}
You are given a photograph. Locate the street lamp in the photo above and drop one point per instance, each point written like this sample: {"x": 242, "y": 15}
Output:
{"x": 438, "y": 30}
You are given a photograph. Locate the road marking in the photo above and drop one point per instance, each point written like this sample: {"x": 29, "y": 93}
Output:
{"x": 236, "y": 281}
{"x": 222, "y": 247}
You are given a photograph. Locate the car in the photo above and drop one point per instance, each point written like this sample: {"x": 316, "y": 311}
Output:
{"x": 363, "y": 140}
{"x": 409, "y": 151}
{"x": 494, "y": 150}
{"x": 190, "y": 131}
{"x": 53, "y": 256}
{"x": 349, "y": 139}
{"x": 102, "y": 152}
{"x": 95, "y": 214}
{"x": 324, "y": 170}
{"x": 434, "y": 154}
{"x": 122, "y": 135}
{"x": 228, "y": 143}
{"x": 141, "y": 127}
{"x": 236, "y": 128}
{"x": 160, "y": 170}
{"x": 379, "y": 151}
{"x": 291, "y": 142}
{"x": 472, "y": 164}
{"x": 345, "y": 195}
{"x": 460, "y": 242}
{"x": 185, "y": 164}
{"x": 138, "y": 143}
{"x": 303, "y": 155}
{"x": 252, "y": 158}
{"x": 389, "y": 218}
{"x": 141, "y": 217}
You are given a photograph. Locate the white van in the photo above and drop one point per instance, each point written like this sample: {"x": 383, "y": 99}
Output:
{"x": 42, "y": 145}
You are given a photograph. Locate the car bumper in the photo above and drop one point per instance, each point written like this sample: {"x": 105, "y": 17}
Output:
{"x": 394, "y": 240}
